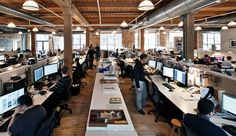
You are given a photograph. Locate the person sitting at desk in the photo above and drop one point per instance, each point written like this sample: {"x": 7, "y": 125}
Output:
{"x": 200, "y": 124}
{"x": 207, "y": 59}
{"x": 140, "y": 82}
{"x": 22, "y": 59}
{"x": 27, "y": 118}
{"x": 227, "y": 63}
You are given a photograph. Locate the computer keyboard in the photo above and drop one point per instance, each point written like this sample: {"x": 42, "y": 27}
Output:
{"x": 4, "y": 126}
{"x": 168, "y": 86}
{"x": 229, "y": 118}
{"x": 230, "y": 129}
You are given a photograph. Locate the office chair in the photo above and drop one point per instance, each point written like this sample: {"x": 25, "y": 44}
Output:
{"x": 83, "y": 74}
{"x": 63, "y": 104}
{"x": 47, "y": 127}
{"x": 186, "y": 131}
{"x": 156, "y": 100}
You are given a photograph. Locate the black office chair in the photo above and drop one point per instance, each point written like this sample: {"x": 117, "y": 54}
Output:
{"x": 186, "y": 131}
{"x": 157, "y": 101}
{"x": 63, "y": 104}
{"x": 48, "y": 126}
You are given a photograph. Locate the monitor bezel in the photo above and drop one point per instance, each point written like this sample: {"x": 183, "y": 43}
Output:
{"x": 50, "y": 65}
{"x": 41, "y": 77}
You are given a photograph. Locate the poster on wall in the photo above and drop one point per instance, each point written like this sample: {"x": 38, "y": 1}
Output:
{"x": 233, "y": 43}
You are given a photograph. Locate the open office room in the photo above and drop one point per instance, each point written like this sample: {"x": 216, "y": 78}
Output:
{"x": 117, "y": 67}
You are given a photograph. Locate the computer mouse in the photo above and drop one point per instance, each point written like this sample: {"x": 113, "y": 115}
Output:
{"x": 191, "y": 95}
{"x": 43, "y": 92}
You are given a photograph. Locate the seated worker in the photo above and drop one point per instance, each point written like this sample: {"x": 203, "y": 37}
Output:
{"x": 22, "y": 60}
{"x": 227, "y": 63}
{"x": 207, "y": 59}
{"x": 172, "y": 54}
{"x": 200, "y": 124}
{"x": 77, "y": 75}
{"x": 27, "y": 118}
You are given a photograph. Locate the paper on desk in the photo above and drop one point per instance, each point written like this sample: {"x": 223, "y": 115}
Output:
{"x": 108, "y": 88}
{"x": 187, "y": 97}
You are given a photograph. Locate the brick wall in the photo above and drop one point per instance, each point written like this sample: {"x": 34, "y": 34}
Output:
{"x": 128, "y": 38}
{"x": 94, "y": 39}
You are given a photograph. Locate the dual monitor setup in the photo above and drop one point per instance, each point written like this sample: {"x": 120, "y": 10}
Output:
{"x": 172, "y": 73}
{"x": 45, "y": 71}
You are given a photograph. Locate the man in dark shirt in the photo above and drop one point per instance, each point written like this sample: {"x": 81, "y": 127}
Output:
{"x": 139, "y": 82}
{"x": 78, "y": 73}
{"x": 91, "y": 53}
{"x": 27, "y": 119}
{"x": 200, "y": 124}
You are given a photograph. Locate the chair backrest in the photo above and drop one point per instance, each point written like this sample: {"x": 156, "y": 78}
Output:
{"x": 47, "y": 127}
{"x": 155, "y": 94}
{"x": 186, "y": 131}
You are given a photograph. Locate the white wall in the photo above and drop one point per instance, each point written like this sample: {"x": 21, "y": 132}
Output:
{"x": 226, "y": 36}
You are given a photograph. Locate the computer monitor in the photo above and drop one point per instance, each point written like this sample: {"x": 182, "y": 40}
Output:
{"x": 152, "y": 63}
{"x": 9, "y": 101}
{"x": 180, "y": 76}
{"x": 228, "y": 103}
{"x": 2, "y": 57}
{"x": 168, "y": 72}
{"x": 159, "y": 66}
{"x": 38, "y": 74}
{"x": 50, "y": 69}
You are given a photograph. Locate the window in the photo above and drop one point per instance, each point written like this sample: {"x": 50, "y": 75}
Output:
{"x": 150, "y": 40}
{"x": 110, "y": 41}
{"x": 210, "y": 39}
{"x": 42, "y": 43}
{"x": 79, "y": 41}
{"x": 174, "y": 36}
{"x": 136, "y": 42}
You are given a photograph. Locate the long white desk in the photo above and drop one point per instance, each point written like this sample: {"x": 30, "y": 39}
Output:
{"x": 186, "y": 106}
{"x": 100, "y": 100}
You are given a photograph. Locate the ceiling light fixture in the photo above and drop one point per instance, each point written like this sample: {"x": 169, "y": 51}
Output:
{"x": 84, "y": 32}
{"x": 20, "y": 32}
{"x": 97, "y": 33}
{"x": 124, "y": 24}
{"x": 146, "y": 5}
{"x": 53, "y": 33}
{"x": 35, "y": 29}
{"x": 163, "y": 32}
{"x": 198, "y": 28}
{"x": 161, "y": 28}
{"x": 224, "y": 28}
{"x": 30, "y": 5}
{"x": 11, "y": 25}
{"x": 113, "y": 32}
{"x": 181, "y": 23}
{"x": 231, "y": 24}
{"x": 78, "y": 28}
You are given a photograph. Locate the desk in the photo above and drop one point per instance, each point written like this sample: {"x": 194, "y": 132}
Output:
{"x": 184, "y": 105}
{"x": 100, "y": 100}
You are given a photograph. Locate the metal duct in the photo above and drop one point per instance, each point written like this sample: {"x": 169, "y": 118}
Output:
{"x": 218, "y": 19}
{"x": 16, "y": 13}
{"x": 174, "y": 9}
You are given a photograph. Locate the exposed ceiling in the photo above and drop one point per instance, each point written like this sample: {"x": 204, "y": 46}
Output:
{"x": 86, "y": 13}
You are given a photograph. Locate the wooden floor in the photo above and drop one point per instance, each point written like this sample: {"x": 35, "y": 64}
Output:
{"x": 75, "y": 124}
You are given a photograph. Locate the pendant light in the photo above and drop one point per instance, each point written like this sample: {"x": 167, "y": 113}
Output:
{"x": 198, "y": 28}
{"x": 181, "y": 23}
{"x": 231, "y": 24}
{"x": 35, "y": 29}
{"x": 224, "y": 28}
{"x": 113, "y": 32}
{"x": 146, "y": 5}
{"x": 20, "y": 32}
{"x": 124, "y": 24}
{"x": 161, "y": 28}
{"x": 97, "y": 33}
{"x": 11, "y": 25}
{"x": 78, "y": 28}
{"x": 53, "y": 33}
{"x": 30, "y": 5}
{"x": 163, "y": 32}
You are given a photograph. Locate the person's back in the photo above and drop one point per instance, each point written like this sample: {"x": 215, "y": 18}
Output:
{"x": 28, "y": 123}
{"x": 60, "y": 89}
{"x": 202, "y": 126}
{"x": 227, "y": 63}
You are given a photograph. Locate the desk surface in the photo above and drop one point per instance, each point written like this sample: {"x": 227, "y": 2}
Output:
{"x": 100, "y": 100}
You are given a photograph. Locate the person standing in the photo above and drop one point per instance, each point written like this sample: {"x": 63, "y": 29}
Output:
{"x": 140, "y": 83}
{"x": 91, "y": 53}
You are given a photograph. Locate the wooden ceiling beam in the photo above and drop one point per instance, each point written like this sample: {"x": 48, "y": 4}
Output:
{"x": 75, "y": 12}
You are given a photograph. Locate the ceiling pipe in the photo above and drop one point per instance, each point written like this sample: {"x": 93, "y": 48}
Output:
{"x": 174, "y": 9}
{"x": 19, "y": 14}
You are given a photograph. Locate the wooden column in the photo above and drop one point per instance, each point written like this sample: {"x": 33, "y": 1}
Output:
{"x": 33, "y": 42}
{"x": 68, "y": 39}
{"x": 189, "y": 41}
{"x": 87, "y": 37}
{"x": 142, "y": 39}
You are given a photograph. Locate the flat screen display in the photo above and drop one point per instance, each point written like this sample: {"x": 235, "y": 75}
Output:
{"x": 168, "y": 72}
{"x": 180, "y": 76}
{"x": 159, "y": 66}
{"x": 152, "y": 63}
{"x": 38, "y": 74}
{"x": 9, "y": 101}
{"x": 50, "y": 69}
{"x": 228, "y": 103}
